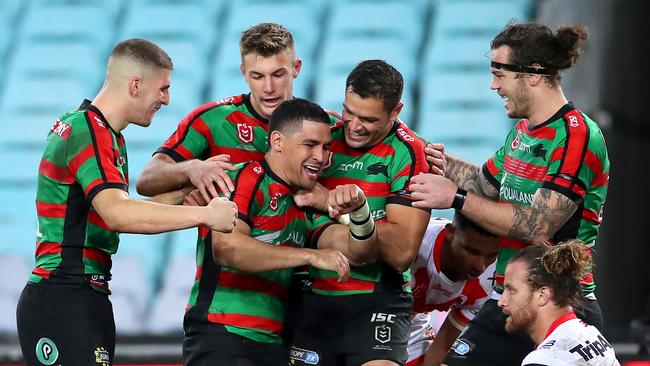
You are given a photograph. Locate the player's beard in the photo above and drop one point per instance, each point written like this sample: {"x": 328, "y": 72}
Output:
{"x": 520, "y": 321}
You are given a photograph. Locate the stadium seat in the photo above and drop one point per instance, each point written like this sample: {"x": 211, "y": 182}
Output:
{"x": 459, "y": 88}
{"x": 24, "y": 165}
{"x": 169, "y": 307}
{"x": 472, "y": 18}
{"x": 470, "y": 125}
{"x": 131, "y": 291}
{"x": 14, "y": 271}
{"x": 457, "y": 53}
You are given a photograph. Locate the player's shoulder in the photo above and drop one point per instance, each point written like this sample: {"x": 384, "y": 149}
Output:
{"x": 335, "y": 118}
{"x": 227, "y": 103}
{"x": 544, "y": 357}
{"x": 409, "y": 137}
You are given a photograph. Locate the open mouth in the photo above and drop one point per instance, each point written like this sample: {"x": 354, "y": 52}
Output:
{"x": 271, "y": 102}
{"x": 312, "y": 171}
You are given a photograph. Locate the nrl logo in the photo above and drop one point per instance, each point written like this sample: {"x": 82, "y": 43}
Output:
{"x": 245, "y": 133}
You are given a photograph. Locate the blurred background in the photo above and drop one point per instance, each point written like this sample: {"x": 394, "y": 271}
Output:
{"x": 53, "y": 54}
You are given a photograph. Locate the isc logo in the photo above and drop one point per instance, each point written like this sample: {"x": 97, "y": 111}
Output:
{"x": 382, "y": 317}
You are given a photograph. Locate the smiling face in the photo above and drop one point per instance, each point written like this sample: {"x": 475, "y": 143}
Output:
{"x": 517, "y": 299}
{"x": 510, "y": 86}
{"x": 153, "y": 93}
{"x": 270, "y": 79}
{"x": 365, "y": 121}
{"x": 304, "y": 153}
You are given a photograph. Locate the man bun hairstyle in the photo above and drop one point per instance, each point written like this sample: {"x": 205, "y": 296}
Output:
{"x": 559, "y": 267}
{"x": 534, "y": 43}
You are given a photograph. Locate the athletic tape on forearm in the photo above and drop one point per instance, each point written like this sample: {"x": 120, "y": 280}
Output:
{"x": 362, "y": 226}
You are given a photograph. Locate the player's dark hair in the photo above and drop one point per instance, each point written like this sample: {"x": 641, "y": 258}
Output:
{"x": 143, "y": 52}
{"x": 377, "y": 79}
{"x": 265, "y": 39}
{"x": 534, "y": 43}
{"x": 559, "y": 267}
{"x": 290, "y": 114}
{"x": 463, "y": 223}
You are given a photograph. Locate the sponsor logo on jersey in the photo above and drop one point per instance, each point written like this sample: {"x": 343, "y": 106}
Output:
{"x": 46, "y": 351}
{"x": 511, "y": 194}
{"x": 382, "y": 317}
{"x": 547, "y": 345}
{"x": 227, "y": 100}
{"x": 61, "y": 129}
{"x": 99, "y": 122}
{"x": 573, "y": 121}
{"x": 405, "y": 135}
{"x": 304, "y": 355}
{"x": 461, "y": 346}
{"x": 378, "y": 214}
{"x": 539, "y": 151}
{"x": 245, "y": 133}
{"x": 591, "y": 349}
{"x": 357, "y": 165}
{"x": 257, "y": 170}
{"x": 296, "y": 238}
{"x": 515, "y": 142}
{"x": 378, "y": 168}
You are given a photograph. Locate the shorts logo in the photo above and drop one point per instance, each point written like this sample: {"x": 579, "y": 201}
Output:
{"x": 461, "y": 347}
{"x": 382, "y": 333}
{"x": 46, "y": 351}
{"x": 101, "y": 357}
{"x": 304, "y": 355}
{"x": 245, "y": 133}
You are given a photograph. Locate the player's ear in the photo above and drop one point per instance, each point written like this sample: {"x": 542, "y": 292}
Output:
{"x": 395, "y": 112}
{"x": 275, "y": 140}
{"x": 297, "y": 66}
{"x": 135, "y": 83}
{"x": 544, "y": 295}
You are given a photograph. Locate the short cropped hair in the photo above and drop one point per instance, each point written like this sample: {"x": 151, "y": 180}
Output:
{"x": 143, "y": 52}
{"x": 377, "y": 79}
{"x": 265, "y": 39}
{"x": 290, "y": 114}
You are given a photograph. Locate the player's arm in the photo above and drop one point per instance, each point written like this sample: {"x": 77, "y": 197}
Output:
{"x": 400, "y": 235}
{"x": 465, "y": 174}
{"x": 535, "y": 224}
{"x": 445, "y": 337}
{"x": 163, "y": 174}
{"x": 173, "y": 197}
{"x": 240, "y": 251}
{"x": 357, "y": 240}
{"x": 126, "y": 215}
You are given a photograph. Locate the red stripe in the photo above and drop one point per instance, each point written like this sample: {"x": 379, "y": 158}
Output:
{"x": 601, "y": 180}
{"x": 55, "y": 172}
{"x": 381, "y": 150}
{"x": 559, "y": 321}
{"x": 437, "y": 248}
{"x": 97, "y": 255}
{"x": 92, "y": 185}
{"x": 199, "y": 271}
{"x": 241, "y": 117}
{"x": 42, "y": 272}
{"x": 371, "y": 189}
{"x": 252, "y": 283}
{"x": 576, "y": 140}
{"x": 184, "y": 152}
{"x": 107, "y": 152}
{"x": 238, "y": 155}
{"x": 523, "y": 169}
{"x": 51, "y": 210}
{"x": 511, "y": 243}
{"x": 545, "y": 133}
{"x": 460, "y": 317}
{"x": 95, "y": 219}
{"x": 204, "y": 130}
{"x": 246, "y": 183}
{"x": 47, "y": 247}
{"x": 247, "y": 321}
{"x": 331, "y": 284}
{"x": 594, "y": 163}
{"x": 591, "y": 215}
{"x": 422, "y": 278}
{"x": 492, "y": 168}
{"x": 78, "y": 160}
{"x": 278, "y": 222}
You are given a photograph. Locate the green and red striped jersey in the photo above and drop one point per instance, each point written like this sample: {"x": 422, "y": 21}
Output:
{"x": 383, "y": 173}
{"x": 252, "y": 304}
{"x": 83, "y": 156}
{"x": 228, "y": 126}
{"x": 566, "y": 154}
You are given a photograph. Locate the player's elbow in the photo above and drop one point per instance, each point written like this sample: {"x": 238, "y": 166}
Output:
{"x": 144, "y": 184}
{"x": 403, "y": 260}
{"x": 222, "y": 250}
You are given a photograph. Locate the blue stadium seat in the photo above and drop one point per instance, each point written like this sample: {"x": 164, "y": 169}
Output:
{"x": 471, "y": 17}
{"x": 468, "y": 125}
{"x": 457, "y": 53}
{"x": 18, "y": 223}
{"x": 14, "y": 272}
{"x": 23, "y": 165}
{"x": 476, "y": 153}
{"x": 369, "y": 21}
{"x": 459, "y": 88}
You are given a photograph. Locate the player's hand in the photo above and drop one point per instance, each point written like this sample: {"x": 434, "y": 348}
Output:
{"x": 331, "y": 260}
{"x": 316, "y": 197}
{"x": 432, "y": 191}
{"x": 435, "y": 154}
{"x": 222, "y": 216}
{"x": 345, "y": 199}
{"x": 208, "y": 175}
{"x": 194, "y": 198}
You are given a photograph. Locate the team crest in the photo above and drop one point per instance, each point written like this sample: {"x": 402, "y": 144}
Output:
{"x": 515, "y": 142}
{"x": 274, "y": 203}
{"x": 382, "y": 333}
{"x": 245, "y": 133}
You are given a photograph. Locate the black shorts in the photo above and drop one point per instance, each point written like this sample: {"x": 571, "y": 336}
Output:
{"x": 485, "y": 341}
{"x": 65, "y": 325}
{"x": 208, "y": 344}
{"x": 352, "y": 330}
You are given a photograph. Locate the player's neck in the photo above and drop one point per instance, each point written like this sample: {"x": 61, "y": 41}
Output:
{"x": 545, "y": 320}
{"x": 545, "y": 105}
{"x": 275, "y": 162}
{"x": 446, "y": 266}
{"x": 111, "y": 107}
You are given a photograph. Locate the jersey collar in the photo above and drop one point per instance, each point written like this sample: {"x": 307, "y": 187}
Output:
{"x": 87, "y": 105}
{"x": 559, "y": 114}
{"x": 270, "y": 173}
{"x": 249, "y": 106}
{"x": 559, "y": 321}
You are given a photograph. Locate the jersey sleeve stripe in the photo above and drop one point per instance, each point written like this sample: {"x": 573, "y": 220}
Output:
{"x": 177, "y": 139}
{"x": 95, "y": 219}
{"x": 246, "y": 184}
{"x": 204, "y": 130}
{"x": 55, "y": 172}
{"x": 98, "y": 187}
{"x": 104, "y": 150}
{"x": 575, "y": 148}
{"x": 47, "y": 248}
{"x": 78, "y": 160}
{"x": 490, "y": 171}
{"x": 314, "y": 236}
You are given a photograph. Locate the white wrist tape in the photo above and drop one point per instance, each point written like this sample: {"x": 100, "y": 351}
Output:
{"x": 362, "y": 226}
{"x": 342, "y": 219}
